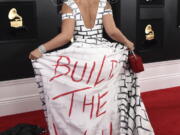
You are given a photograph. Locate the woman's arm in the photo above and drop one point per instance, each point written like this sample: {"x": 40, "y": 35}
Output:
{"x": 61, "y": 39}
{"x": 113, "y": 31}
{"x": 66, "y": 34}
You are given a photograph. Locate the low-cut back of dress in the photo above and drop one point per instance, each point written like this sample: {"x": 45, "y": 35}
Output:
{"x": 82, "y": 34}
{"x": 89, "y": 88}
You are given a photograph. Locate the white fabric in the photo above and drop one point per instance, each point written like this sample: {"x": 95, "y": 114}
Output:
{"x": 88, "y": 88}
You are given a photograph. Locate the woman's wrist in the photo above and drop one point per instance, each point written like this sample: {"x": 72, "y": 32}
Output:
{"x": 42, "y": 49}
{"x": 129, "y": 44}
{"x": 125, "y": 41}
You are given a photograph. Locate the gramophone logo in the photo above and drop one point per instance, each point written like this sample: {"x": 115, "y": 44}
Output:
{"x": 149, "y": 32}
{"x": 16, "y": 21}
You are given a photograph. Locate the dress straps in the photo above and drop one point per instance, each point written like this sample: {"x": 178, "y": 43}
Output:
{"x": 67, "y": 16}
{"x": 73, "y": 6}
{"x": 70, "y": 4}
{"x": 108, "y": 10}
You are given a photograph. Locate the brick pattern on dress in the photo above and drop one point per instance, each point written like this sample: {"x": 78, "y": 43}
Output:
{"x": 67, "y": 16}
{"x": 39, "y": 82}
{"x": 133, "y": 118}
{"x": 88, "y": 35}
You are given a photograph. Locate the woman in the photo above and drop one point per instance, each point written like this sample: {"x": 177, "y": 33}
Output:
{"x": 88, "y": 88}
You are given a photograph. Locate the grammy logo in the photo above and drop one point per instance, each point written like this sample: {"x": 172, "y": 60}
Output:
{"x": 16, "y": 20}
{"x": 149, "y": 33}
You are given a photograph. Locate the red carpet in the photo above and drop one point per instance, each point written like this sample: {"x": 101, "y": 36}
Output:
{"x": 35, "y": 118}
{"x": 163, "y": 107}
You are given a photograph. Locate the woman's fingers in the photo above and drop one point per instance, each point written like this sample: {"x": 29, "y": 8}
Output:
{"x": 130, "y": 45}
{"x": 35, "y": 54}
{"x": 32, "y": 57}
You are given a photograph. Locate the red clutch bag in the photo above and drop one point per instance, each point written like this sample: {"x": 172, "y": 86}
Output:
{"x": 135, "y": 62}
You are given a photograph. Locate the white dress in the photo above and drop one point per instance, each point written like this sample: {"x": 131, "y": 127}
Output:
{"x": 88, "y": 88}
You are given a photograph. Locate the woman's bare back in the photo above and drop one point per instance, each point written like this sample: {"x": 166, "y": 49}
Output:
{"x": 88, "y": 10}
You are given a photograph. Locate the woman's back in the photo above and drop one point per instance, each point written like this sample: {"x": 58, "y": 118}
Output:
{"x": 88, "y": 16}
{"x": 88, "y": 88}
{"x": 88, "y": 9}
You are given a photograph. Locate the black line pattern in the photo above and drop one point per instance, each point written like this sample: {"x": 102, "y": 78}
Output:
{"x": 133, "y": 118}
{"x": 39, "y": 82}
{"x": 85, "y": 35}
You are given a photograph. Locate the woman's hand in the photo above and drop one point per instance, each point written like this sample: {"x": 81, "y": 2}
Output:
{"x": 130, "y": 45}
{"x": 35, "y": 54}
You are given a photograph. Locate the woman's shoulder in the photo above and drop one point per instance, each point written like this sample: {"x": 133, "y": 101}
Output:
{"x": 68, "y": 6}
{"x": 69, "y": 2}
{"x": 65, "y": 8}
